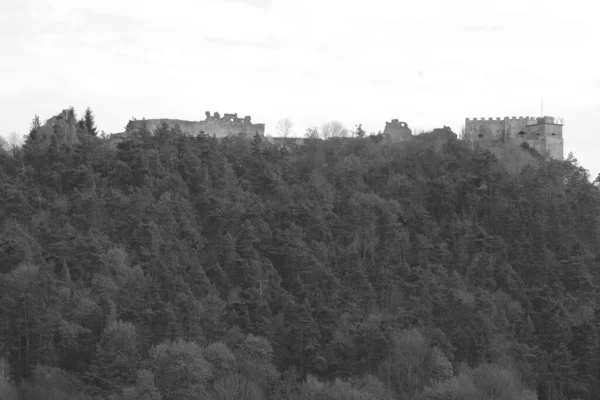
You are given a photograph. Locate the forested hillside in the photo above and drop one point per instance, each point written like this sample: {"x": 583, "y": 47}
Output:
{"x": 181, "y": 267}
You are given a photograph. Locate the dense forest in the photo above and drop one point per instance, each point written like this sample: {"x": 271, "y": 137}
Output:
{"x": 172, "y": 266}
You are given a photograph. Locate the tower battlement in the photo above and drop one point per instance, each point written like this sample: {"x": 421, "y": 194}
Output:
{"x": 527, "y": 118}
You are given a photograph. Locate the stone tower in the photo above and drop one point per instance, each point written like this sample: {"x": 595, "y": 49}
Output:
{"x": 545, "y": 134}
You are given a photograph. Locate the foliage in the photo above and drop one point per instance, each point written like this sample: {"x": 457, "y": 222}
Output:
{"x": 220, "y": 356}
{"x": 180, "y": 370}
{"x": 485, "y": 382}
{"x": 144, "y": 389}
{"x": 235, "y": 386}
{"x": 174, "y": 266}
{"x": 117, "y": 356}
{"x": 7, "y": 389}
{"x": 88, "y": 122}
{"x": 48, "y": 383}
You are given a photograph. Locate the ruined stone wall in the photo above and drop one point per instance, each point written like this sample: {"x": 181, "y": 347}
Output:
{"x": 61, "y": 126}
{"x": 212, "y": 125}
{"x": 397, "y": 131}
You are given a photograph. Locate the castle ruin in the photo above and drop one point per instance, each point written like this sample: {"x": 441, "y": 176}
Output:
{"x": 545, "y": 134}
{"x": 397, "y": 131}
{"x": 215, "y": 125}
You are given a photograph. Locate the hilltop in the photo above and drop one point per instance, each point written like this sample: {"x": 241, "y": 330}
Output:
{"x": 181, "y": 266}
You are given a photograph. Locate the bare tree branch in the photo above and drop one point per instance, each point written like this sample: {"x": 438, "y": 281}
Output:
{"x": 284, "y": 127}
{"x": 333, "y": 129}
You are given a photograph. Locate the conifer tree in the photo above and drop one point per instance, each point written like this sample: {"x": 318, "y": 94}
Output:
{"x": 89, "y": 122}
{"x": 71, "y": 114}
{"x": 35, "y": 125}
{"x": 359, "y": 131}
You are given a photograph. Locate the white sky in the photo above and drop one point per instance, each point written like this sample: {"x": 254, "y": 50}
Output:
{"x": 428, "y": 62}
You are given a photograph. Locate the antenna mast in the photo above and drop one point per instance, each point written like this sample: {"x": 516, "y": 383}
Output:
{"x": 542, "y": 107}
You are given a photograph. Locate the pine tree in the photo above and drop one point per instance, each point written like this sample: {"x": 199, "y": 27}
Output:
{"x": 71, "y": 114}
{"x": 89, "y": 123}
{"x": 359, "y": 131}
{"x": 35, "y": 126}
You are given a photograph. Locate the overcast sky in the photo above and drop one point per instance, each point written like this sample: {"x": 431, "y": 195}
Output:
{"x": 428, "y": 62}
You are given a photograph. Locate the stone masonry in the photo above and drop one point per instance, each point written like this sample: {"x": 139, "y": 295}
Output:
{"x": 545, "y": 134}
{"x": 212, "y": 125}
{"x": 397, "y": 131}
